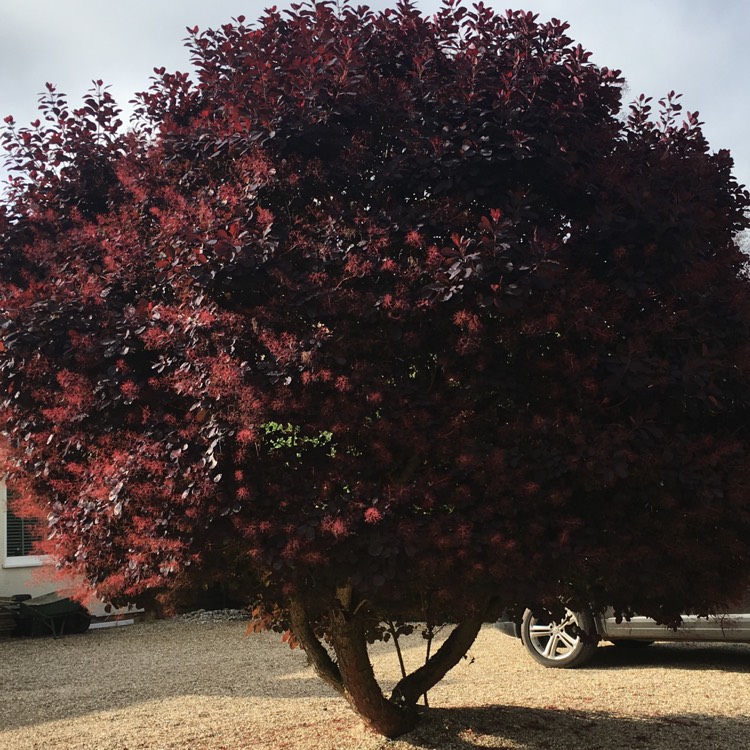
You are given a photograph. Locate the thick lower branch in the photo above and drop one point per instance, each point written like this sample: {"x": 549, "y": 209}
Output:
{"x": 361, "y": 688}
{"x": 317, "y": 654}
{"x": 411, "y": 687}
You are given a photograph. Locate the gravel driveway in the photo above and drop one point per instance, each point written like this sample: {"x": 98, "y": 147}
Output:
{"x": 202, "y": 685}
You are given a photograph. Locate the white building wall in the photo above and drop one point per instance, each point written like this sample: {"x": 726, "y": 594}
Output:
{"x": 31, "y": 574}
{"x": 35, "y": 574}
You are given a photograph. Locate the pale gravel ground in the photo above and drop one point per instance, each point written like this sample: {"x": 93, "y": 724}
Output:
{"x": 204, "y": 686}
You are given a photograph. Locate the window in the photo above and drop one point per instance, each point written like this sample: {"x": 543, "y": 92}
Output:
{"x": 20, "y": 535}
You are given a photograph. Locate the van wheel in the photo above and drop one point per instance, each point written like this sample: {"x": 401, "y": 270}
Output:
{"x": 559, "y": 643}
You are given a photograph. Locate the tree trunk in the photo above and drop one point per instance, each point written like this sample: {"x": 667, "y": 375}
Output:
{"x": 361, "y": 688}
{"x": 352, "y": 675}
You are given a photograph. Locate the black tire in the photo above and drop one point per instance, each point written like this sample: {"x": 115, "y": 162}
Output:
{"x": 559, "y": 644}
{"x": 77, "y": 623}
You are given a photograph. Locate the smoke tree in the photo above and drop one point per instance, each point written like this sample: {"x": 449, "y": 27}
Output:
{"x": 380, "y": 318}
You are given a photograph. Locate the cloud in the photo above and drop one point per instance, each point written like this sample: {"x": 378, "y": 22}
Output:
{"x": 685, "y": 45}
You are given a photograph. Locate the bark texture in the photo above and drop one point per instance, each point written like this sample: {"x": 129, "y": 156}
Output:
{"x": 361, "y": 688}
{"x": 317, "y": 654}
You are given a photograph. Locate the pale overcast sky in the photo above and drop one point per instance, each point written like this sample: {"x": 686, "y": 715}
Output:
{"x": 695, "y": 47}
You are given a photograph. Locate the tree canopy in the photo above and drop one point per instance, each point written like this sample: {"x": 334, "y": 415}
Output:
{"x": 379, "y": 317}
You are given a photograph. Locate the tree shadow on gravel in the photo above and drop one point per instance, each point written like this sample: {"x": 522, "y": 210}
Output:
{"x": 562, "y": 729}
